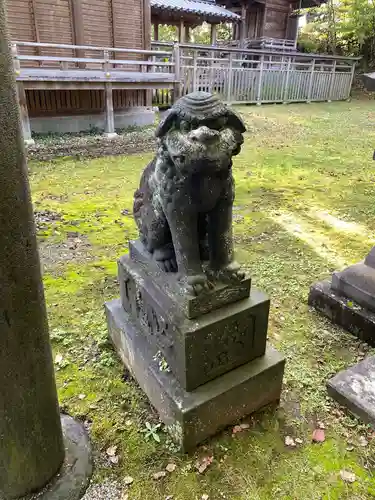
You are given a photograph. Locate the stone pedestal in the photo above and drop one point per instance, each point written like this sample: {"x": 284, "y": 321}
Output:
{"x": 348, "y": 299}
{"x": 202, "y": 361}
{"x": 355, "y": 389}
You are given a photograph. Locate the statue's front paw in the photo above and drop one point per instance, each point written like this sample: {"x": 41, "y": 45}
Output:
{"x": 231, "y": 272}
{"x": 197, "y": 284}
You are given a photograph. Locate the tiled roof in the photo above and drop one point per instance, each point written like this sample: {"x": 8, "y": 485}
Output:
{"x": 205, "y": 9}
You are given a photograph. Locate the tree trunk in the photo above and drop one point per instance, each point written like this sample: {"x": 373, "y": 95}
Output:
{"x": 31, "y": 444}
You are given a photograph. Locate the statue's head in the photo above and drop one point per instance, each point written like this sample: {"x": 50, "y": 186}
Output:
{"x": 200, "y": 131}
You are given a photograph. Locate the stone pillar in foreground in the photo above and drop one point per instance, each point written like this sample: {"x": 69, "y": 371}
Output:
{"x": 31, "y": 440}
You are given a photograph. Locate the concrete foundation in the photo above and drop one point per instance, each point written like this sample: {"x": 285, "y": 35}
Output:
{"x": 132, "y": 117}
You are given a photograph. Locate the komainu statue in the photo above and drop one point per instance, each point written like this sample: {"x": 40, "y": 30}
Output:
{"x": 183, "y": 207}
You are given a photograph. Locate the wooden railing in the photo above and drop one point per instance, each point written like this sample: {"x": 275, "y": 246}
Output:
{"x": 80, "y": 67}
{"x": 169, "y": 70}
{"x": 265, "y": 76}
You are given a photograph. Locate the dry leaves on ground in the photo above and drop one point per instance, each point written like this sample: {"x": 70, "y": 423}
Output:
{"x": 318, "y": 436}
{"x": 111, "y": 451}
{"x": 289, "y": 441}
{"x": 159, "y": 475}
{"x": 240, "y": 428}
{"x": 171, "y": 467}
{"x": 202, "y": 465}
{"x": 347, "y": 476}
{"x": 363, "y": 441}
{"x": 58, "y": 359}
{"x": 128, "y": 480}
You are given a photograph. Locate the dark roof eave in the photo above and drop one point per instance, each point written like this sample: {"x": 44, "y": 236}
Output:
{"x": 207, "y": 17}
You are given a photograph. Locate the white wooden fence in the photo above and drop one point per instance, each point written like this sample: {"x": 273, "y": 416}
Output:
{"x": 264, "y": 76}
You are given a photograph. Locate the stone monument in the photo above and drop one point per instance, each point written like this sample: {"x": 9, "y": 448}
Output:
{"x": 189, "y": 326}
{"x": 39, "y": 451}
{"x": 348, "y": 299}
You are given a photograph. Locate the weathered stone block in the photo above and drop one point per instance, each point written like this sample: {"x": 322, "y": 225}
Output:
{"x": 201, "y": 349}
{"x": 355, "y": 389}
{"x": 191, "y": 417}
{"x": 343, "y": 311}
{"x": 174, "y": 296}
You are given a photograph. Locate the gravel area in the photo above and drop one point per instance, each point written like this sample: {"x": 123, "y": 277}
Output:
{"x": 105, "y": 491}
{"x": 92, "y": 146}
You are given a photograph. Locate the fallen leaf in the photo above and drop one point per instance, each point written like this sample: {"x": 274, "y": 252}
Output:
{"x": 236, "y": 428}
{"x": 169, "y": 497}
{"x": 159, "y": 475}
{"x": 318, "y": 436}
{"x": 114, "y": 460}
{"x": 347, "y": 476}
{"x": 82, "y": 396}
{"x": 321, "y": 425}
{"x": 203, "y": 464}
{"x": 171, "y": 467}
{"x": 128, "y": 480}
{"x": 245, "y": 426}
{"x": 205, "y": 497}
{"x": 350, "y": 447}
{"x": 58, "y": 359}
{"x": 289, "y": 441}
{"x": 111, "y": 451}
{"x": 124, "y": 496}
{"x": 298, "y": 440}
{"x": 363, "y": 441}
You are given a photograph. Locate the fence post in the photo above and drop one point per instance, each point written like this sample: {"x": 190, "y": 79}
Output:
{"x": 354, "y": 63}
{"x": 22, "y": 100}
{"x": 259, "y": 89}
{"x": 109, "y": 129}
{"x": 332, "y": 80}
{"x": 195, "y": 70}
{"x": 286, "y": 82}
{"x": 230, "y": 78}
{"x": 311, "y": 82}
{"x": 177, "y": 71}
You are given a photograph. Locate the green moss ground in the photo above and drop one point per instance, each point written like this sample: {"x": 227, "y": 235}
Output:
{"x": 304, "y": 207}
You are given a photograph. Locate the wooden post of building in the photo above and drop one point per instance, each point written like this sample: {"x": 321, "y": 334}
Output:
{"x": 79, "y": 35}
{"x": 109, "y": 129}
{"x": 22, "y": 101}
{"x": 156, "y": 31}
{"x": 181, "y": 31}
{"x": 147, "y": 43}
{"x": 187, "y": 34}
{"x": 243, "y": 25}
{"x": 177, "y": 71}
{"x": 213, "y": 34}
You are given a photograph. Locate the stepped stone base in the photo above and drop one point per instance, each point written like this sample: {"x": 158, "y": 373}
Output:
{"x": 200, "y": 349}
{"x": 191, "y": 417}
{"x": 343, "y": 311}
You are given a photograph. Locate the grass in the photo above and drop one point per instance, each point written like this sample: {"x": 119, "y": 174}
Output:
{"x": 304, "y": 207}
